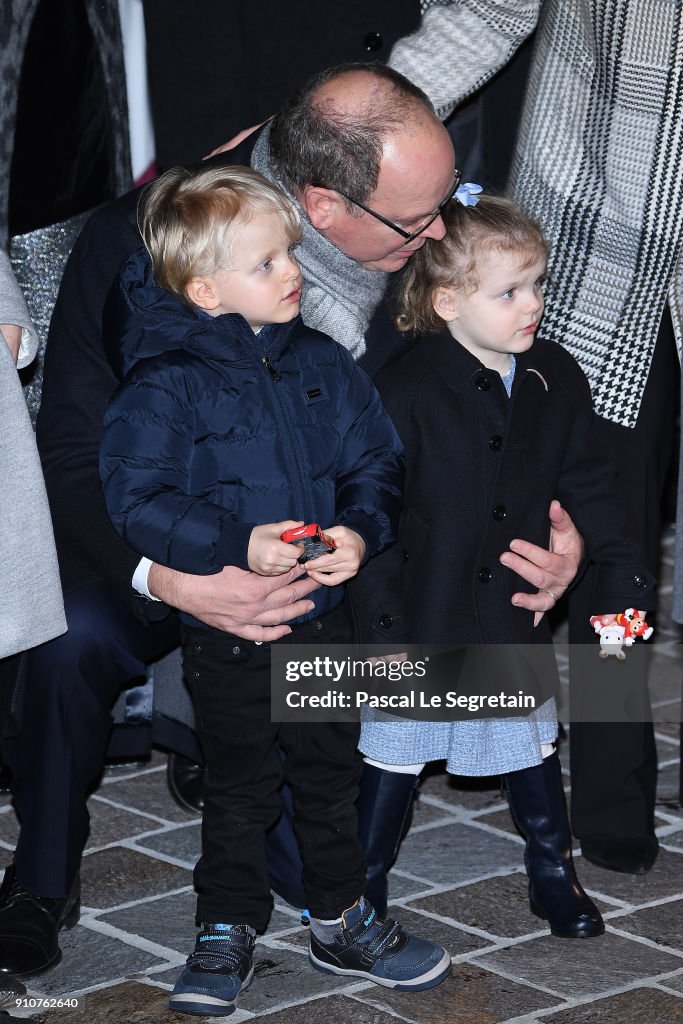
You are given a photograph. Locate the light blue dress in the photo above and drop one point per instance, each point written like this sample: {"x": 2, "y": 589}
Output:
{"x": 485, "y": 747}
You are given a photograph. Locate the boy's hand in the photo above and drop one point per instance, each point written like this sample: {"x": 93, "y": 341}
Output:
{"x": 267, "y": 554}
{"x": 341, "y": 564}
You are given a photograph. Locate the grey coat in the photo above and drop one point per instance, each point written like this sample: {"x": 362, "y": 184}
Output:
{"x": 31, "y": 608}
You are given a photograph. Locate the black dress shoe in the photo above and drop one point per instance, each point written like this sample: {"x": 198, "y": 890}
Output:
{"x": 631, "y": 855}
{"x": 29, "y": 926}
{"x": 185, "y": 780}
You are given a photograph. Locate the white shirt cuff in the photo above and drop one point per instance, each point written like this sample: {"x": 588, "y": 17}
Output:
{"x": 140, "y": 579}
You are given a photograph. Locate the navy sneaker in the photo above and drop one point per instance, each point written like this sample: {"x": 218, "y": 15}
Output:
{"x": 216, "y": 972}
{"x": 365, "y": 947}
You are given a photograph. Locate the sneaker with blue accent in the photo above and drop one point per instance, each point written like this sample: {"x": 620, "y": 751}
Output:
{"x": 220, "y": 967}
{"x": 363, "y": 946}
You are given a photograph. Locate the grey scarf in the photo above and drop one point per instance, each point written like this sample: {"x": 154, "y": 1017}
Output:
{"x": 339, "y": 295}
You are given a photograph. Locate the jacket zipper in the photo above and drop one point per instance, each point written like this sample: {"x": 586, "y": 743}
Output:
{"x": 284, "y": 417}
{"x": 271, "y": 369}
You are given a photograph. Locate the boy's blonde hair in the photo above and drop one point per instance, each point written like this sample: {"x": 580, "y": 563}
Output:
{"x": 493, "y": 225}
{"x": 188, "y": 219}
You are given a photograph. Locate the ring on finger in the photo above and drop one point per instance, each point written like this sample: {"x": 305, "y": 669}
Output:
{"x": 543, "y": 590}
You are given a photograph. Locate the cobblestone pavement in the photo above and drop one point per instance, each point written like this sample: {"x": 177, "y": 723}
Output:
{"x": 459, "y": 879}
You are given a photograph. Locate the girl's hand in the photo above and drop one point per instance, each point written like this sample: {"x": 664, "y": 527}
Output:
{"x": 267, "y": 554}
{"x": 341, "y": 564}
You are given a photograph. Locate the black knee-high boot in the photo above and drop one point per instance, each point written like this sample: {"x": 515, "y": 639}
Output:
{"x": 383, "y": 806}
{"x": 539, "y": 808}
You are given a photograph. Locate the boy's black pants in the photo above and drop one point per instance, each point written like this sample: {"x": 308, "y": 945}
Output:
{"x": 230, "y": 683}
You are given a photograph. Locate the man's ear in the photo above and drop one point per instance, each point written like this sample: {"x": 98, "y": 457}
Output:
{"x": 201, "y": 292}
{"x": 322, "y": 206}
{"x": 444, "y": 299}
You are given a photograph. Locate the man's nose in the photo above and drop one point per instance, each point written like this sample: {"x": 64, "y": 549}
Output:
{"x": 435, "y": 230}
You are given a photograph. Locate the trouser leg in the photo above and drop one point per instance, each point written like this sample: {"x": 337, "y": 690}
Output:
{"x": 614, "y": 765}
{"x": 58, "y": 751}
{"x": 230, "y": 683}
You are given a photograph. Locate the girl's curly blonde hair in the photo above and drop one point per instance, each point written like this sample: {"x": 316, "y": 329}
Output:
{"x": 495, "y": 224}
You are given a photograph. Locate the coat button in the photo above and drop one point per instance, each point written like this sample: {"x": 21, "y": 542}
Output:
{"x": 484, "y": 574}
{"x": 373, "y": 41}
{"x": 405, "y": 556}
{"x": 640, "y": 581}
{"x": 386, "y": 621}
{"x": 317, "y": 627}
{"x": 495, "y": 443}
{"x": 500, "y": 512}
{"x": 236, "y": 650}
{"x": 482, "y": 382}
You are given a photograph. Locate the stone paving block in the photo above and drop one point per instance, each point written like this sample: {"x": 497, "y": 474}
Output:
{"x": 456, "y": 853}
{"x": 454, "y": 940}
{"x": 111, "y": 824}
{"x": 662, "y": 924}
{"x": 401, "y": 888}
{"x": 498, "y": 905}
{"x": 147, "y": 793}
{"x": 470, "y": 793}
{"x": 119, "y": 875}
{"x": 470, "y": 995}
{"x": 183, "y": 843}
{"x": 500, "y": 819}
{"x": 675, "y": 982}
{"x": 128, "y": 1003}
{"x": 675, "y": 840}
{"x": 672, "y": 731}
{"x": 168, "y": 921}
{"x": 638, "y": 1006}
{"x": 90, "y": 958}
{"x": 337, "y": 1009}
{"x": 579, "y": 967}
{"x": 668, "y": 784}
{"x": 9, "y": 832}
{"x": 282, "y": 976}
{"x": 664, "y": 879}
{"x": 424, "y": 813}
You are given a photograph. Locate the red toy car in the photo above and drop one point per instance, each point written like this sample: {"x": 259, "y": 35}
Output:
{"x": 315, "y": 542}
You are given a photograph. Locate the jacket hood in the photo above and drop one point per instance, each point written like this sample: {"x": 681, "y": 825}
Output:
{"x": 141, "y": 320}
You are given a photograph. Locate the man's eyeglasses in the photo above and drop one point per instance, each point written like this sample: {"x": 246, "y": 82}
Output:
{"x": 408, "y": 235}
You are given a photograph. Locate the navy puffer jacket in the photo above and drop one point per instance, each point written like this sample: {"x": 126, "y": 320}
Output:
{"x": 206, "y": 438}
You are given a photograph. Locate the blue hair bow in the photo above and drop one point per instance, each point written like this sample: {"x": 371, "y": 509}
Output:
{"x": 468, "y": 193}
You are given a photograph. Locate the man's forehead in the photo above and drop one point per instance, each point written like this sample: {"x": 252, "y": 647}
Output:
{"x": 417, "y": 166}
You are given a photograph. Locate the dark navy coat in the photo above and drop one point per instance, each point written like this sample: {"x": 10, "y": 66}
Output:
{"x": 204, "y": 440}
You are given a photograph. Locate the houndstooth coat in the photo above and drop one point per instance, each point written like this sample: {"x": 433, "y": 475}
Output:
{"x": 598, "y": 162}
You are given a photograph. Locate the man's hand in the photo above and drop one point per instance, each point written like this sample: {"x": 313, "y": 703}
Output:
{"x": 550, "y": 570}
{"x": 253, "y": 607}
{"x": 12, "y": 335}
{"x": 341, "y": 564}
